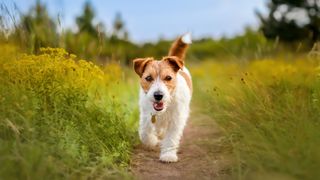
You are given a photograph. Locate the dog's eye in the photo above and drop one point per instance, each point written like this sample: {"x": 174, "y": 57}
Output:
{"x": 168, "y": 78}
{"x": 149, "y": 78}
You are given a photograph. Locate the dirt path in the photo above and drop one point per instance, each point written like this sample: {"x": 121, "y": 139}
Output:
{"x": 200, "y": 155}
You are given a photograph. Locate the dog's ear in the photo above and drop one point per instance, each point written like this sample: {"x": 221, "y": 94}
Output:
{"x": 175, "y": 62}
{"x": 140, "y": 64}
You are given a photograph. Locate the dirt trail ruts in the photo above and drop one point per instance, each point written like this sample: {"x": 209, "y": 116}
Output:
{"x": 200, "y": 155}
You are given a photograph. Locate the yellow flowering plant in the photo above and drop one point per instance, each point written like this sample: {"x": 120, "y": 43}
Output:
{"x": 60, "y": 116}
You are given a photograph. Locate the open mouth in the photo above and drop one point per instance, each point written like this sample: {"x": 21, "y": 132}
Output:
{"x": 158, "y": 106}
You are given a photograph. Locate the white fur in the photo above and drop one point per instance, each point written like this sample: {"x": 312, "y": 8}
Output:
{"x": 186, "y": 38}
{"x": 170, "y": 122}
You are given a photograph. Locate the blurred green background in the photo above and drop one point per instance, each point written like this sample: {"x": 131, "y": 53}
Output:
{"x": 278, "y": 26}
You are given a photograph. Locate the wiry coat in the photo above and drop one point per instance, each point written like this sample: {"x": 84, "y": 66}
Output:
{"x": 165, "y": 127}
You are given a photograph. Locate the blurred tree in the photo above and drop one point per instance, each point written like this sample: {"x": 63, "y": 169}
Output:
{"x": 119, "y": 31}
{"x": 84, "y": 21}
{"x": 37, "y": 29}
{"x": 89, "y": 41}
{"x": 291, "y": 20}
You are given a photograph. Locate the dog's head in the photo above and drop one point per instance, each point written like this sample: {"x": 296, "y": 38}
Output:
{"x": 158, "y": 79}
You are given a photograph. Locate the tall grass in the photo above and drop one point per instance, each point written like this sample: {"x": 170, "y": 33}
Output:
{"x": 269, "y": 112}
{"x": 61, "y": 117}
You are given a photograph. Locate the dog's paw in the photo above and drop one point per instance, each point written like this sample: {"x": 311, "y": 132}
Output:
{"x": 150, "y": 142}
{"x": 168, "y": 157}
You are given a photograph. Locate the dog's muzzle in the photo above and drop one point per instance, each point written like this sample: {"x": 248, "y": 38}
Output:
{"x": 158, "y": 104}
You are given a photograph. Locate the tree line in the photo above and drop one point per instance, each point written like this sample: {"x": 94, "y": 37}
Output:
{"x": 280, "y": 29}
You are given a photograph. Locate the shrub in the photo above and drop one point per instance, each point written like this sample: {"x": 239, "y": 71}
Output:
{"x": 59, "y": 118}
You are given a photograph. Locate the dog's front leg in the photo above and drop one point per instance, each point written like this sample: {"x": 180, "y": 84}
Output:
{"x": 170, "y": 144}
{"x": 147, "y": 132}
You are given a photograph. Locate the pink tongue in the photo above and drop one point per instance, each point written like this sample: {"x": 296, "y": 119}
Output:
{"x": 158, "y": 105}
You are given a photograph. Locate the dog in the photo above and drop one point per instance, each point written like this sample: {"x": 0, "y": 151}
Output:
{"x": 165, "y": 95}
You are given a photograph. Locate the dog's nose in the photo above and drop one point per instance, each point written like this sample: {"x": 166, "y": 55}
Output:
{"x": 158, "y": 95}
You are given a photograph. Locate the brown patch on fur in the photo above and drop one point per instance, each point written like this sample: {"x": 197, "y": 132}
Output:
{"x": 175, "y": 62}
{"x": 151, "y": 69}
{"x": 178, "y": 49}
{"x": 140, "y": 65}
{"x": 187, "y": 78}
{"x": 160, "y": 69}
{"x": 166, "y": 69}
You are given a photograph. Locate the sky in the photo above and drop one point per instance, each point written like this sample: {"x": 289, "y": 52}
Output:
{"x": 148, "y": 20}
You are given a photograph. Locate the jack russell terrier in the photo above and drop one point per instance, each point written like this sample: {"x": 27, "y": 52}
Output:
{"x": 165, "y": 95}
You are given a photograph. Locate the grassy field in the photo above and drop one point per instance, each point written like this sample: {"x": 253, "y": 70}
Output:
{"x": 63, "y": 118}
{"x": 66, "y": 118}
{"x": 269, "y": 112}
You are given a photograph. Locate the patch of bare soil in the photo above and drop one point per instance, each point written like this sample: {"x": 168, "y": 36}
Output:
{"x": 200, "y": 155}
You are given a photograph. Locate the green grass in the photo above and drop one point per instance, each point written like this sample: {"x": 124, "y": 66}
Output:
{"x": 269, "y": 112}
{"x": 64, "y": 119}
